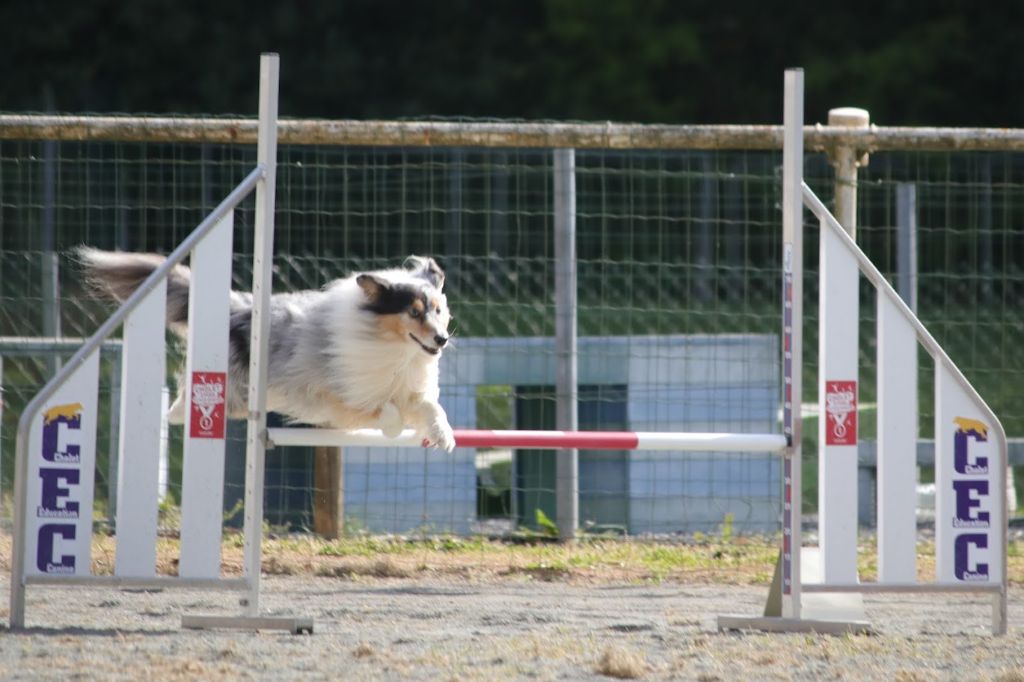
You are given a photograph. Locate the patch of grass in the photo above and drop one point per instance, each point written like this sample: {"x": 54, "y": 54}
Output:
{"x": 364, "y": 650}
{"x": 543, "y": 570}
{"x": 621, "y": 663}
{"x": 727, "y": 527}
{"x": 743, "y": 561}
{"x": 546, "y": 524}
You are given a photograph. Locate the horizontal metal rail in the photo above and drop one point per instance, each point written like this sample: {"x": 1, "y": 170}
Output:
{"x": 587, "y": 440}
{"x": 155, "y": 583}
{"x": 508, "y": 134}
{"x": 36, "y": 345}
{"x": 922, "y": 588}
{"x": 867, "y": 452}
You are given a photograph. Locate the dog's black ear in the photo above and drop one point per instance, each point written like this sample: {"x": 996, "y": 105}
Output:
{"x": 427, "y": 268}
{"x": 372, "y": 285}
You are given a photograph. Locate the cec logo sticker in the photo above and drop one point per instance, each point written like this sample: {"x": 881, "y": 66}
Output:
{"x": 972, "y": 508}
{"x": 59, "y": 481}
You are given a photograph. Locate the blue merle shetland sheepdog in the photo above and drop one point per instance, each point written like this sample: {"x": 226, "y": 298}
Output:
{"x": 362, "y": 352}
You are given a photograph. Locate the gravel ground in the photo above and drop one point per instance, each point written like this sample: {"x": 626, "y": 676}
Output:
{"x": 374, "y": 628}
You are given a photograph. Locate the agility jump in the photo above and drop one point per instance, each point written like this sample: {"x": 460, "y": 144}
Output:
{"x": 56, "y": 433}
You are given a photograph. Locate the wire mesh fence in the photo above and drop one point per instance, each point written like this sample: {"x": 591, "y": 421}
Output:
{"x": 678, "y": 318}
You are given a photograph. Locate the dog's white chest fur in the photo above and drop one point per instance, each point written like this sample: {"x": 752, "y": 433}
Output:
{"x": 384, "y": 372}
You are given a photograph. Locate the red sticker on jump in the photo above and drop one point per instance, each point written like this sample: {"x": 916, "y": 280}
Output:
{"x": 840, "y": 413}
{"x": 208, "y": 393}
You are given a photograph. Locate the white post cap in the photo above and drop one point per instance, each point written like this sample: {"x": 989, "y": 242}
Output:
{"x": 849, "y": 117}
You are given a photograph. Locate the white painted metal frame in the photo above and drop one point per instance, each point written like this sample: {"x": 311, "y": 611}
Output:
{"x": 948, "y": 378}
{"x": 19, "y": 580}
{"x": 260, "y": 179}
{"x": 899, "y": 332}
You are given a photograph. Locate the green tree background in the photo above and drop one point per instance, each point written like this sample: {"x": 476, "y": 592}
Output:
{"x": 910, "y": 63}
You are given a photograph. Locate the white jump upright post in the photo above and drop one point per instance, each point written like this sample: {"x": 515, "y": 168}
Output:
{"x": 206, "y": 376}
{"x": 792, "y": 335}
{"x": 897, "y": 445}
{"x": 262, "y": 283}
{"x": 143, "y": 361}
{"x": 838, "y": 354}
{"x": 838, "y": 330}
{"x": 256, "y": 431}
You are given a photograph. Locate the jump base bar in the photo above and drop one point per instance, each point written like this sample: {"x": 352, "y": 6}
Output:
{"x": 771, "y": 624}
{"x": 585, "y": 440}
{"x": 296, "y": 626}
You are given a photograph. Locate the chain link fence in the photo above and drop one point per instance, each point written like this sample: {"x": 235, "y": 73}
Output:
{"x": 679, "y": 304}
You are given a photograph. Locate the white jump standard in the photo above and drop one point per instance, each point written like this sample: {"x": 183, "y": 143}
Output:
{"x": 970, "y": 444}
{"x": 56, "y": 439}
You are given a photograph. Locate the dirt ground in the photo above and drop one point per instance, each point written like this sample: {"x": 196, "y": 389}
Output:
{"x": 515, "y": 627}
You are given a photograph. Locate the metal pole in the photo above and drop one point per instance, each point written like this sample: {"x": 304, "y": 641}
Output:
{"x": 846, "y": 159}
{"x": 906, "y": 243}
{"x": 567, "y": 461}
{"x": 263, "y": 259}
{"x": 456, "y": 211}
{"x": 792, "y": 259}
{"x": 906, "y": 263}
{"x": 50, "y": 266}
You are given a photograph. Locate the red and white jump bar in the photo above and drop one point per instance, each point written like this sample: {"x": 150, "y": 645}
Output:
{"x": 585, "y": 440}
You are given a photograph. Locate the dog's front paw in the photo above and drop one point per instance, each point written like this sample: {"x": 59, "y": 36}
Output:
{"x": 441, "y": 437}
{"x": 390, "y": 420}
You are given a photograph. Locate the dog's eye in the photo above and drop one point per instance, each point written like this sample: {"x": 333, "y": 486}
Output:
{"x": 414, "y": 312}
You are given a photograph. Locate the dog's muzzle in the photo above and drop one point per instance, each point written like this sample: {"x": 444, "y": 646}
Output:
{"x": 432, "y": 351}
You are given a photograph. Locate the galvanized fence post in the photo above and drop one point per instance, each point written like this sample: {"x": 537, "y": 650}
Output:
{"x": 567, "y": 462}
{"x": 906, "y": 243}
